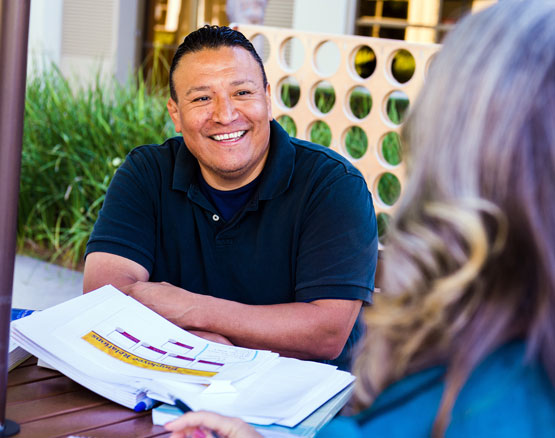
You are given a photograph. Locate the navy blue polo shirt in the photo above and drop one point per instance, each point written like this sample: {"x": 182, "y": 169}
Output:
{"x": 308, "y": 232}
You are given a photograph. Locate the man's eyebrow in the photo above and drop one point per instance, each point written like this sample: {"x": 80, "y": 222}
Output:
{"x": 206, "y": 87}
{"x": 243, "y": 81}
{"x": 195, "y": 89}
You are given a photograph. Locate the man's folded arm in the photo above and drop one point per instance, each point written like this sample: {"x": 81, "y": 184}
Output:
{"x": 103, "y": 268}
{"x": 313, "y": 330}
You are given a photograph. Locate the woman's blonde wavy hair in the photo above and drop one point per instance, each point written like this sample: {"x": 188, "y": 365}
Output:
{"x": 470, "y": 258}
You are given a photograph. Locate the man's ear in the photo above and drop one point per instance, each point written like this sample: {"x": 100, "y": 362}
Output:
{"x": 173, "y": 110}
{"x": 269, "y": 101}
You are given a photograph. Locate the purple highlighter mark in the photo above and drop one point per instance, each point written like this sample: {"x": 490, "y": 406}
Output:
{"x": 208, "y": 365}
{"x": 179, "y": 344}
{"x": 157, "y": 350}
{"x": 150, "y": 347}
{"x": 127, "y": 335}
{"x": 207, "y": 362}
{"x": 177, "y": 356}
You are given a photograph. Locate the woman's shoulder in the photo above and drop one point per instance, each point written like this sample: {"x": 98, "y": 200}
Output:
{"x": 505, "y": 396}
{"x": 344, "y": 427}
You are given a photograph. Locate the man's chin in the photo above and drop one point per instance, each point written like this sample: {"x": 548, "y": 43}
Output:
{"x": 232, "y": 177}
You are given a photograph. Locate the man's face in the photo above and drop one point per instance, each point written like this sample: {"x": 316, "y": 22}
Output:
{"x": 223, "y": 112}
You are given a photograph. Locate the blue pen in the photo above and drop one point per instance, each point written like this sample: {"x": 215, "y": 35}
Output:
{"x": 180, "y": 404}
{"x": 145, "y": 404}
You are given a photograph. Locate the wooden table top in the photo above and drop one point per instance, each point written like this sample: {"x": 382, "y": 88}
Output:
{"x": 47, "y": 404}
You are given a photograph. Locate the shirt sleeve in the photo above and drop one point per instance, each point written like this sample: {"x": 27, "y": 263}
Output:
{"x": 126, "y": 222}
{"x": 339, "y": 243}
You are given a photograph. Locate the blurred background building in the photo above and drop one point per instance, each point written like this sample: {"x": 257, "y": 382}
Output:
{"x": 114, "y": 37}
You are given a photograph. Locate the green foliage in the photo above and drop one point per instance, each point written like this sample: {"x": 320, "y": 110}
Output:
{"x": 324, "y": 98}
{"x": 290, "y": 94}
{"x": 356, "y": 142}
{"x": 73, "y": 142}
{"x": 397, "y": 108}
{"x": 360, "y": 102}
{"x": 320, "y": 133}
{"x": 389, "y": 188}
{"x": 383, "y": 220}
{"x": 288, "y": 124}
{"x": 391, "y": 148}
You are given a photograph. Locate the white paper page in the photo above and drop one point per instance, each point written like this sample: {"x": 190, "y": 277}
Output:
{"x": 273, "y": 395}
{"x": 143, "y": 343}
{"x": 116, "y": 331}
{"x": 309, "y": 403}
{"x": 12, "y": 345}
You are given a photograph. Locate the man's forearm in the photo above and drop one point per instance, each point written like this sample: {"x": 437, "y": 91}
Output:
{"x": 316, "y": 330}
{"x": 303, "y": 330}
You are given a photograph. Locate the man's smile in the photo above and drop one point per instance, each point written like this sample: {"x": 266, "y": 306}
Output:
{"x": 230, "y": 136}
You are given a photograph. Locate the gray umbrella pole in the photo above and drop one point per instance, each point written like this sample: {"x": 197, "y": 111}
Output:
{"x": 14, "y": 33}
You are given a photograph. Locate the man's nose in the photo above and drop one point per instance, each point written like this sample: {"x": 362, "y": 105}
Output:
{"x": 224, "y": 111}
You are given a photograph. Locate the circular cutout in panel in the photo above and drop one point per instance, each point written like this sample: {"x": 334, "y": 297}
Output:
{"x": 383, "y": 220}
{"x": 397, "y": 106}
{"x": 262, "y": 46}
{"x": 391, "y": 148}
{"x": 288, "y": 124}
{"x": 320, "y": 133}
{"x": 360, "y": 102}
{"x": 389, "y": 188}
{"x": 289, "y": 91}
{"x": 292, "y": 54}
{"x": 327, "y": 58}
{"x": 356, "y": 142}
{"x": 364, "y": 62}
{"x": 403, "y": 66}
{"x": 323, "y": 96}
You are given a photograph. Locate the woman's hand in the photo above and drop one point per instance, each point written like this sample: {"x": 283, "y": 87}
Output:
{"x": 204, "y": 424}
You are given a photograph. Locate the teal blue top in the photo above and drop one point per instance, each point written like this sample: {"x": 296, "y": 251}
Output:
{"x": 503, "y": 397}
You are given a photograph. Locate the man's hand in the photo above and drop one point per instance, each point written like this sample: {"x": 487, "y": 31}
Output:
{"x": 171, "y": 302}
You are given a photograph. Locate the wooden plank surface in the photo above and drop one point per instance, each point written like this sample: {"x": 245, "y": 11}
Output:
{"x": 47, "y": 404}
{"x": 31, "y": 410}
{"x": 41, "y": 389}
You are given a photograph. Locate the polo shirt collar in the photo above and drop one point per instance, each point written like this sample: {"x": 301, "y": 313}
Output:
{"x": 278, "y": 170}
{"x": 185, "y": 168}
{"x": 276, "y": 175}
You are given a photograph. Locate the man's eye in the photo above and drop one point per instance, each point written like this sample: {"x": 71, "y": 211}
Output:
{"x": 243, "y": 92}
{"x": 201, "y": 99}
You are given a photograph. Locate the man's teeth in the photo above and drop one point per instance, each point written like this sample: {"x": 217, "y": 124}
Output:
{"x": 229, "y": 136}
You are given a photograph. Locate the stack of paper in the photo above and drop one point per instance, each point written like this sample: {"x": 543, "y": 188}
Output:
{"x": 308, "y": 428}
{"x": 16, "y": 354}
{"x": 122, "y": 350}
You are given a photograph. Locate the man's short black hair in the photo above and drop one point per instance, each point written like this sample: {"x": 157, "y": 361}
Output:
{"x": 213, "y": 37}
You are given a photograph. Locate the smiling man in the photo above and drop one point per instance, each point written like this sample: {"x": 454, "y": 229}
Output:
{"x": 234, "y": 230}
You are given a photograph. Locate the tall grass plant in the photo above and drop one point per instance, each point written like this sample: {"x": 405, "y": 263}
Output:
{"x": 73, "y": 142}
